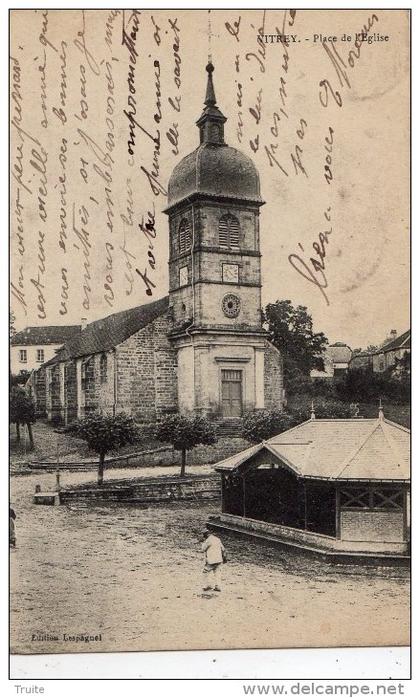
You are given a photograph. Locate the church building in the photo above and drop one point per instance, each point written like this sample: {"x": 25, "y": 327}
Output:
{"x": 202, "y": 349}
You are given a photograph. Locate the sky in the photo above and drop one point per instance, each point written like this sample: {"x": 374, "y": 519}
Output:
{"x": 326, "y": 124}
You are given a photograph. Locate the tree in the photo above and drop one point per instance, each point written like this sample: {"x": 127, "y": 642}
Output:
{"x": 364, "y": 386}
{"x": 12, "y": 320}
{"x": 22, "y": 412}
{"x": 369, "y": 350}
{"x": 291, "y": 331}
{"x": 401, "y": 370}
{"x": 184, "y": 433}
{"x": 260, "y": 425}
{"x": 20, "y": 378}
{"x": 104, "y": 433}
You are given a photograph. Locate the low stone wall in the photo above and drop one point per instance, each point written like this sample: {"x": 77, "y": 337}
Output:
{"x": 307, "y": 539}
{"x": 160, "y": 456}
{"x": 148, "y": 490}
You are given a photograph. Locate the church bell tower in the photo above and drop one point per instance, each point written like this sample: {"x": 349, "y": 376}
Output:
{"x": 215, "y": 273}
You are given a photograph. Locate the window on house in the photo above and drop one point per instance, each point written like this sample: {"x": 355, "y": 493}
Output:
{"x": 40, "y": 356}
{"x": 184, "y": 236}
{"x": 23, "y": 356}
{"x": 86, "y": 373}
{"x": 229, "y": 232}
{"x": 103, "y": 368}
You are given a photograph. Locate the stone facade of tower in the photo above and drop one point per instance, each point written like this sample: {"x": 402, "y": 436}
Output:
{"x": 226, "y": 366}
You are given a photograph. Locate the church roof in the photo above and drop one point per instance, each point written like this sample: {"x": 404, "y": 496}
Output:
{"x": 107, "y": 333}
{"x": 214, "y": 169}
{"x": 49, "y": 334}
{"x": 339, "y": 449}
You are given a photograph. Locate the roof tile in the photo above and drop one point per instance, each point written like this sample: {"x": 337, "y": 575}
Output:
{"x": 48, "y": 334}
{"x": 107, "y": 333}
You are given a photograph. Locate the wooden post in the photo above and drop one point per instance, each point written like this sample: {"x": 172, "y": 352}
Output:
{"x": 406, "y": 513}
{"x": 305, "y": 505}
{"x": 57, "y": 474}
{"x": 222, "y": 506}
{"x": 337, "y": 512}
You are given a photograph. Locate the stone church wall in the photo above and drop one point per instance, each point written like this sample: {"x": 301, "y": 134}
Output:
{"x": 147, "y": 372}
{"x": 54, "y": 407}
{"x": 70, "y": 391}
{"x": 98, "y": 384}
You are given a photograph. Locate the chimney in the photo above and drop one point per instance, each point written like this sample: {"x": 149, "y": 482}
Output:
{"x": 83, "y": 323}
{"x": 393, "y": 334}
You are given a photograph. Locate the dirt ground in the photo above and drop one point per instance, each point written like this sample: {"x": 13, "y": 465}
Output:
{"x": 132, "y": 575}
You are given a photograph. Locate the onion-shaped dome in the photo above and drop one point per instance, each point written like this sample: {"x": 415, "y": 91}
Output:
{"x": 214, "y": 168}
{"x": 215, "y": 171}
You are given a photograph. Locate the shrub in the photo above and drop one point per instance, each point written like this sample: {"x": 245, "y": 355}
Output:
{"x": 104, "y": 433}
{"x": 184, "y": 432}
{"x": 362, "y": 385}
{"x": 260, "y": 425}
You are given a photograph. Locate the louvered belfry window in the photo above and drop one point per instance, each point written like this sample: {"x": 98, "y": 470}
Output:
{"x": 184, "y": 236}
{"x": 229, "y": 232}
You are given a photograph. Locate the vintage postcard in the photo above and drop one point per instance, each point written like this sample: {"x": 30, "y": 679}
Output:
{"x": 209, "y": 329}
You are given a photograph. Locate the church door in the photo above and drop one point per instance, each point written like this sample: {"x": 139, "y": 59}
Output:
{"x": 231, "y": 393}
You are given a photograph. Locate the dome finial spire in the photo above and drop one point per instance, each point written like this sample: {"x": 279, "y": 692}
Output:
{"x": 211, "y": 120}
{"x": 209, "y": 33}
{"x": 210, "y": 100}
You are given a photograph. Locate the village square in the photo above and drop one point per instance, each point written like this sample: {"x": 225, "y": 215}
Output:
{"x": 134, "y": 434}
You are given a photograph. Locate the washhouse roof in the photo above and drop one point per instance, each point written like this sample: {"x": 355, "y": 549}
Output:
{"x": 337, "y": 449}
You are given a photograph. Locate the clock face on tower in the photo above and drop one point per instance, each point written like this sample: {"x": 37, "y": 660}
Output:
{"x": 231, "y": 305}
{"x": 230, "y": 273}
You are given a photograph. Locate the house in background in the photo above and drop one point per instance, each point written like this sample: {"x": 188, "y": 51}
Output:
{"x": 338, "y": 487}
{"x": 363, "y": 359}
{"x": 336, "y": 361}
{"x": 32, "y": 346}
{"x": 397, "y": 348}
